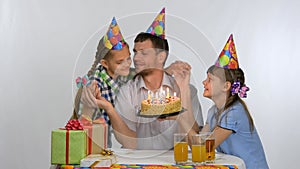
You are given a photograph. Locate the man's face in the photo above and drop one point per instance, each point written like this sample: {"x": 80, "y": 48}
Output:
{"x": 145, "y": 56}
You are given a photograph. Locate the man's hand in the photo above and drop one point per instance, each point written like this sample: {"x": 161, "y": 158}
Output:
{"x": 168, "y": 118}
{"x": 178, "y": 65}
{"x": 182, "y": 77}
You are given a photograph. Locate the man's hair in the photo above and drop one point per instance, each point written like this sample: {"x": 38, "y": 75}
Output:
{"x": 157, "y": 42}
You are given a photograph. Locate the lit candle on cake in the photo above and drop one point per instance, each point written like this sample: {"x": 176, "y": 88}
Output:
{"x": 168, "y": 93}
{"x": 149, "y": 95}
{"x": 152, "y": 97}
{"x": 160, "y": 92}
{"x": 174, "y": 95}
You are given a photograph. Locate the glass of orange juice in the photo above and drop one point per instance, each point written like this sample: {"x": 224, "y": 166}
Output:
{"x": 199, "y": 148}
{"x": 180, "y": 148}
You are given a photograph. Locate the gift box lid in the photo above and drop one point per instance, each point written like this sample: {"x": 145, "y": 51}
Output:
{"x": 98, "y": 160}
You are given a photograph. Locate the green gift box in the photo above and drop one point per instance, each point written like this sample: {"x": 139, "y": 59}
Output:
{"x": 68, "y": 146}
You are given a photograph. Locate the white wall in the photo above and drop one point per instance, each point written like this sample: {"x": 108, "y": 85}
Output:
{"x": 45, "y": 45}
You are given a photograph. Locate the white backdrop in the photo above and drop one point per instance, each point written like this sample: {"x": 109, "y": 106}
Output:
{"x": 44, "y": 45}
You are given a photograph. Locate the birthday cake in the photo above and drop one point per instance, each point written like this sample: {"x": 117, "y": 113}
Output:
{"x": 160, "y": 104}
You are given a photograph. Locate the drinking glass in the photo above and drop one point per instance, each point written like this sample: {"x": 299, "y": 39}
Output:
{"x": 210, "y": 148}
{"x": 199, "y": 148}
{"x": 180, "y": 148}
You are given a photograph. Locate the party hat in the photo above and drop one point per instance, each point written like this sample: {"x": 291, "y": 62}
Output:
{"x": 157, "y": 27}
{"x": 113, "y": 39}
{"x": 228, "y": 57}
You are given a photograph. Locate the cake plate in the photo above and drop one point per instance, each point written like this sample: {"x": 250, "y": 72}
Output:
{"x": 162, "y": 115}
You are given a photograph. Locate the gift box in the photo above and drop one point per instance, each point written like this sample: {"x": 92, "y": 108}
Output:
{"x": 98, "y": 161}
{"x": 68, "y": 146}
{"x": 97, "y": 133}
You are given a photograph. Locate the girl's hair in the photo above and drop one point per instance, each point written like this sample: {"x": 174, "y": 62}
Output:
{"x": 232, "y": 75}
{"x": 101, "y": 50}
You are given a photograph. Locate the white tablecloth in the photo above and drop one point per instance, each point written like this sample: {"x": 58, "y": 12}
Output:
{"x": 126, "y": 156}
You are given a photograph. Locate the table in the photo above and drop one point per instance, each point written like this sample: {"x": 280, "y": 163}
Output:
{"x": 128, "y": 156}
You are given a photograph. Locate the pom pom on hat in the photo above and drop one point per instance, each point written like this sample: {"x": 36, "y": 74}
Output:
{"x": 157, "y": 27}
{"x": 228, "y": 57}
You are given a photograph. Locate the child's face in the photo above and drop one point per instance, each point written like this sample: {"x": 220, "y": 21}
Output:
{"x": 213, "y": 86}
{"x": 119, "y": 63}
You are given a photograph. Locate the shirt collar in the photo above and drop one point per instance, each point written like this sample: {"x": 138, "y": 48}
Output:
{"x": 103, "y": 75}
{"x": 167, "y": 81}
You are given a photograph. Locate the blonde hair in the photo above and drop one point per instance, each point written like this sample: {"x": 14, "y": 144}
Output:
{"x": 101, "y": 52}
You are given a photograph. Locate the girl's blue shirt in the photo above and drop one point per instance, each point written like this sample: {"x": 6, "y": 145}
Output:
{"x": 242, "y": 142}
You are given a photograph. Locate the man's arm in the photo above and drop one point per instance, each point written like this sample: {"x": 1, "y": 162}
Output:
{"x": 187, "y": 121}
{"x": 123, "y": 133}
{"x": 197, "y": 109}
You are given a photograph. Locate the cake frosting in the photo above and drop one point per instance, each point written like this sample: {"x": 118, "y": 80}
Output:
{"x": 159, "y": 104}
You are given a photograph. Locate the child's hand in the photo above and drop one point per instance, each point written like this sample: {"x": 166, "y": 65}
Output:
{"x": 92, "y": 98}
{"x": 88, "y": 97}
{"x": 104, "y": 104}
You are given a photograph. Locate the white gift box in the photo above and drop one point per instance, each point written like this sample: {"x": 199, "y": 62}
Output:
{"x": 98, "y": 161}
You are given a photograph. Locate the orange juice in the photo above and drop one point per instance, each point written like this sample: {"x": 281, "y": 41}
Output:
{"x": 210, "y": 150}
{"x": 198, "y": 153}
{"x": 181, "y": 151}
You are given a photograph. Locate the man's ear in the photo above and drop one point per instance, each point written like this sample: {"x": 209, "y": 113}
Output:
{"x": 162, "y": 56}
{"x": 103, "y": 62}
{"x": 227, "y": 86}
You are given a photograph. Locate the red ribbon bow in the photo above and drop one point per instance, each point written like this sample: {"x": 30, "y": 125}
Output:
{"x": 73, "y": 124}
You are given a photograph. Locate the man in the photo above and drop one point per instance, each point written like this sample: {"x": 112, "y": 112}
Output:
{"x": 150, "y": 54}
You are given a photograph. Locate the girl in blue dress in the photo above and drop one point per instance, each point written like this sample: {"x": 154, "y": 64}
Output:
{"x": 229, "y": 118}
